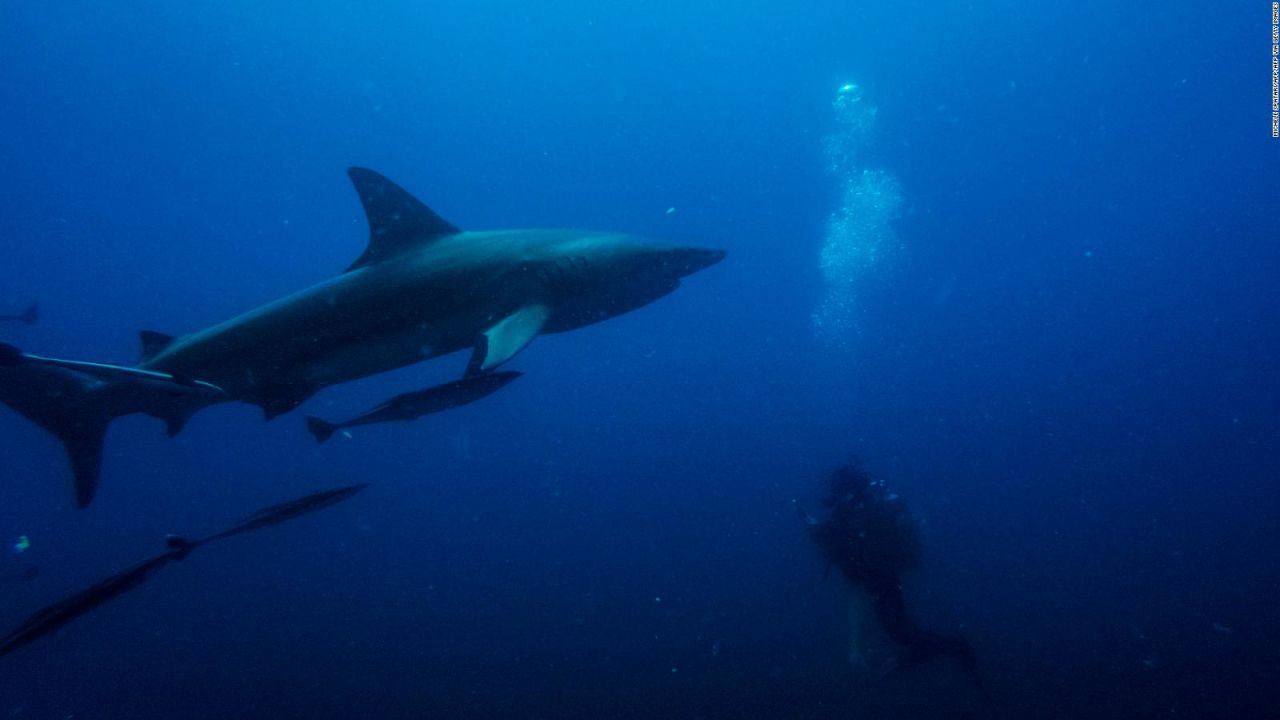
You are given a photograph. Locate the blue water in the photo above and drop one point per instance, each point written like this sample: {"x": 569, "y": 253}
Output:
{"x": 1068, "y": 365}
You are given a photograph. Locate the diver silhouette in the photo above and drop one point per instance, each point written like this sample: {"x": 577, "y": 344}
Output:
{"x": 871, "y": 537}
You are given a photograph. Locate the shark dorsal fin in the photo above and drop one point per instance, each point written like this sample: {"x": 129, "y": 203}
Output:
{"x": 397, "y": 220}
{"x": 153, "y": 343}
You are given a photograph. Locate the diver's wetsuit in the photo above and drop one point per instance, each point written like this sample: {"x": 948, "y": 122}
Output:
{"x": 871, "y": 537}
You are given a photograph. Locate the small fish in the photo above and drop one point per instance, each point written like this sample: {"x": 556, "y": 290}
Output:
{"x": 28, "y": 316}
{"x": 413, "y": 405}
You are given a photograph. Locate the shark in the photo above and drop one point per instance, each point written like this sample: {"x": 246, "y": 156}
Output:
{"x": 421, "y": 289}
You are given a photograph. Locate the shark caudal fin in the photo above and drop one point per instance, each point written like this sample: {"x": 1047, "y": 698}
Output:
{"x": 75, "y": 401}
{"x": 58, "y": 401}
{"x": 322, "y": 429}
{"x": 82, "y": 440}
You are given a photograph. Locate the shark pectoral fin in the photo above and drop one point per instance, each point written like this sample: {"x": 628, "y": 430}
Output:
{"x": 509, "y": 336}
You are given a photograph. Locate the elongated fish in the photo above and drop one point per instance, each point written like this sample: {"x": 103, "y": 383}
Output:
{"x": 50, "y": 618}
{"x": 413, "y": 405}
{"x": 276, "y": 514}
{"x": 54, "y": 616}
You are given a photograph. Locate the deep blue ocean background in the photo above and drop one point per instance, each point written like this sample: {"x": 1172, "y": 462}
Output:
{"x": 1069, "y": 370}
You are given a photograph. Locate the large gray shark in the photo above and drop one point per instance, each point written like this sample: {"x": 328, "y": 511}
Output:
{"x": 422, "y": 288}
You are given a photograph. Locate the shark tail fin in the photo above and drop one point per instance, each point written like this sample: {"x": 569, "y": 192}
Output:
{"x": 31, "y": 314}
{"x": 82, "y": 438}
{"x": 75, "y": 401}
{"x": 322, "y": 429}
{"x": 81, "y": 432}
{"x": 64, "y": 405}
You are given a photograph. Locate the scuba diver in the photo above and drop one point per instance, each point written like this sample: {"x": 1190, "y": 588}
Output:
{"x": 871, "y": 537}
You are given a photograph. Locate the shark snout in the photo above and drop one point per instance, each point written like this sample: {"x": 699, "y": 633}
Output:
{"x": 688, "y": 261}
